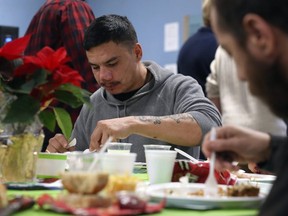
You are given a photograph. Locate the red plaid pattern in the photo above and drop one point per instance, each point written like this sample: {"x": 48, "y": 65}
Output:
{"x": 62, "y": 23}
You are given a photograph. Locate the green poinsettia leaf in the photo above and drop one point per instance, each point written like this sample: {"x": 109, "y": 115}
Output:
{"x": 40, "y": 77}
{"x": 64, "y": 121}
{"x": 23, "y": 109}
{"x": 17, "y": 86}
{"x": 81, "y": 94}
{"x": 48, "y": 119}
{"x": 68, "y": 98}
{"x": 26, "y": 88}
{"x": 37, "y": 78}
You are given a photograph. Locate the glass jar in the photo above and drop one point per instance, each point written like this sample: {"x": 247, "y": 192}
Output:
{"x": 18, "y": 151}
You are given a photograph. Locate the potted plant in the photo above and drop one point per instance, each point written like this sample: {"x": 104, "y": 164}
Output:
{"x": 28, "y": 92}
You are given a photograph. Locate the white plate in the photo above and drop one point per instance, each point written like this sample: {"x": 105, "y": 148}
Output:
{"x": 181, "y": 199}
{"x": 140, "y": 164}
{"x": 242, "y": 177}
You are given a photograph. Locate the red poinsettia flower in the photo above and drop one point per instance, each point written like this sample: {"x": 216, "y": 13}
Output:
{"x": 56, "y": 69}
{"x": 54, "y": 62}
{"x": 37, "y": 82}
{"x": 15, "y": 48}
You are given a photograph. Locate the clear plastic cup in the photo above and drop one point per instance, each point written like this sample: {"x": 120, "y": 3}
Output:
{"x": 118, "y": 147}
{"x": 79, "y": 161}
{"x": 156, "y": 147}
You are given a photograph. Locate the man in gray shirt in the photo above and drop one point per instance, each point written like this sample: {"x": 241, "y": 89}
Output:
{"x": 138, "y": 102}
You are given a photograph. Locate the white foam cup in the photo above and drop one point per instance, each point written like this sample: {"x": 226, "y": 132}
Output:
{"x": 160, "y": 164}
{"x": 118, "y": 163}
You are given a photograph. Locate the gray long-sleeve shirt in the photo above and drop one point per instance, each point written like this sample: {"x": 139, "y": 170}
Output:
{"x": 166, "y": 94}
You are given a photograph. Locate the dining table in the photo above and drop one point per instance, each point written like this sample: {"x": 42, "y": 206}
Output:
{"x": 142, "y": 176}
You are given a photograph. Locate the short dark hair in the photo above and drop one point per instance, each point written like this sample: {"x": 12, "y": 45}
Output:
{"x": 231, "y": 13}
{"x": 108, "y": 28}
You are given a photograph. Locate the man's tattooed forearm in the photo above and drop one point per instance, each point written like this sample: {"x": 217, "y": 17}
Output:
{"x": 158, "y": 119}
{"x": 179, "y": 117}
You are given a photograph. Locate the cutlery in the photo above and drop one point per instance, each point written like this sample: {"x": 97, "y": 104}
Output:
{"x": 194, "y": 160}
{"x": 184, "y": 179}
{"x": 88, "y": 151}
{"x": 211, "y": 186}
{"x": 100, "y": 153}
{"x": 71, "y": 143}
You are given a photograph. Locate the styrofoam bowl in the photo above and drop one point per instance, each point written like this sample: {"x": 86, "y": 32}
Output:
{"x": 118, "y": 163}
{"x": 50, "y": 165}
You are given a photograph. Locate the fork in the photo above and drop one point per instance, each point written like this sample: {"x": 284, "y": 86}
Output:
{"x": 100, "y": 154}
{"x": 211, "y": 186}
{"x": 194, "y": 160}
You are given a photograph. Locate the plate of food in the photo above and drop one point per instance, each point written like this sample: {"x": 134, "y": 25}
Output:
{"x": 265, "y": 178}
{"x": 98, "y": 193}
{"x": 191, "y": 196}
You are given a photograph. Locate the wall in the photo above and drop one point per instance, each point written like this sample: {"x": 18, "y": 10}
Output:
{"x": 148, "y": 17}
{"x": 18, "y": 13}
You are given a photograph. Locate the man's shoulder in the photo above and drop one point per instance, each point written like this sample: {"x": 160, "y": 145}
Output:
{"x": 96, "y": 95}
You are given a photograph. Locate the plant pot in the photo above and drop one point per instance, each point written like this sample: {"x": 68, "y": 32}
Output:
{"x": 18, "y": 154}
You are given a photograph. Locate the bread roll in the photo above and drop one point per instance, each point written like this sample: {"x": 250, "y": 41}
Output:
{"x": 84, "y": 182}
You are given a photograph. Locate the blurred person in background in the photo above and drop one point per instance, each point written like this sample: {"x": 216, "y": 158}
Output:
{"x": 138, "y": 102}
{"x": 198, "y": 51}
{"x": 255, "y": 33}
{"x": 235, "y": 102}
{"x": 61, "y": 23}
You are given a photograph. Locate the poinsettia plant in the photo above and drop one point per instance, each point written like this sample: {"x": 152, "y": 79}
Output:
{"x": 37, "y": 83}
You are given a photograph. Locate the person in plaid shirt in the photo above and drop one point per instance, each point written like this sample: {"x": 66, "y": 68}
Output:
{"x": 62, "y": 23}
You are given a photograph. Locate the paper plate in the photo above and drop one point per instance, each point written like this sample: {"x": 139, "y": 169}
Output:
{"x": 177, "y": 196}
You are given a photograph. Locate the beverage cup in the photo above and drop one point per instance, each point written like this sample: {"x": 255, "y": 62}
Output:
{"x": 160, "y": 164}
{"x": 156, "y": 147}
{"x": 118, "y": 147}
{"x": 118, "y": 163}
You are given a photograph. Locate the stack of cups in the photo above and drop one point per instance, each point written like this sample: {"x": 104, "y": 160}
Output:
{"x": 160, "y": 162}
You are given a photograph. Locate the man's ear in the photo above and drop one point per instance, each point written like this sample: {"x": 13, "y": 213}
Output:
{"x": 138, "y": 51}
{"x": 260, "y": 37}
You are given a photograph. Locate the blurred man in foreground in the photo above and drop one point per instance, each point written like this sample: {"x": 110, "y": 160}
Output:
{"x": 255, "y": 33}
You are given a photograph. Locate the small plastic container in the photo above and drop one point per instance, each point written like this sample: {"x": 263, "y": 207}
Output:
{"x": 156, "y": 147}
{"x": 118, "y": 147}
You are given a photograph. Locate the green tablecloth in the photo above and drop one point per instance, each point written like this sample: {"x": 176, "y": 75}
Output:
{"x": 165, "y": 212}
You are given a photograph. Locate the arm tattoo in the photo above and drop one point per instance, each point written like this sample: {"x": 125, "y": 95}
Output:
{"x": 158, "y": 119}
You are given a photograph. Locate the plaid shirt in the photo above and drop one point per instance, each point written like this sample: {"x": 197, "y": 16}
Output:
{"x": 62, "y": 23}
